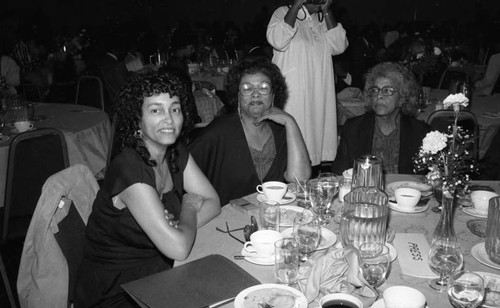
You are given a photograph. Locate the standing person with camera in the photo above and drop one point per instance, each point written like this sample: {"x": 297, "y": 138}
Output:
{"x": 305, "y": 36}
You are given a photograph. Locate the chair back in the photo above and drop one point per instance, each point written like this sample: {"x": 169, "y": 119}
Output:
{"x": 441, "y": 119}
{"x": 33, "y": 157}
{"x": 89, "y": 92}
{"x": 453, "y": 76}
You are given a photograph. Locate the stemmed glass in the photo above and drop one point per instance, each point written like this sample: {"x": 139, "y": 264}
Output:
{"x": 375, "y": 263}
{"x": 466, "y": 289}
{"x": 307, "y": 232}
{"x": 330, "y": 185}
{"x": 445, "y": 257}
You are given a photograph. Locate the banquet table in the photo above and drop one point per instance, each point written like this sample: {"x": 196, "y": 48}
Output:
{"x": 86, "y": 130}
{"x": 209, "y": 241}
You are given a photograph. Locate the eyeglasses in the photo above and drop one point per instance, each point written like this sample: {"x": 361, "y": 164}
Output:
{"x": 247, "y": 230}
{"x": 386, "y": 91}
{"x": 247, "y": 89}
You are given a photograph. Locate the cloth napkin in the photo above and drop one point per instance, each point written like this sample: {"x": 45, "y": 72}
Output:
{"x": 336, "y": 270}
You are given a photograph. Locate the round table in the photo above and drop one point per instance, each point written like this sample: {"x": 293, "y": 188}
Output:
{"x": 87, "y": 131}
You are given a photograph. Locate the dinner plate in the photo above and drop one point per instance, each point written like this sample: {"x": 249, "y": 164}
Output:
{"x": 491, "y": 281}
{"x": 479, "y": 253}
{"x": 254, "y": 258}
{"x": 258, "y": 293}
{"x": 288, "y": 198}
{"x": 288, "y": 213}
{"x": 425, "y": 189}
{"x": 381, "y": 304}
{"x": 328, "y": 238}
{"x": 417, "y": 209}
{"x": 472, "y": 212}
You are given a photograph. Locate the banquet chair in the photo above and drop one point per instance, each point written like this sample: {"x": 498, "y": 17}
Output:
{"x": 441, "y": 119}
{"x": 33, "y": 157}
{"x": 451, "y": 75}
{"x": 53, "y": 248}
{"x": 89, "y": 92}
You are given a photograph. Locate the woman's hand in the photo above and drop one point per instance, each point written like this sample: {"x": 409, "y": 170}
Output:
{"x": 326, "y": 6}
{"x": 276, "y": 115}
{"x": 170, "y": 219}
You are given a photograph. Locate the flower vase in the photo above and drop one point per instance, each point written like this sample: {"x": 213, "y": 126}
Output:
{"x": 444, "y": 231}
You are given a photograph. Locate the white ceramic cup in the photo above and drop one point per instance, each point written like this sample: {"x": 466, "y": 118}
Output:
{"x": 407, "y": 197}
{"x": 23, "y": 126}
{"x": 338, "y": 298}
{"x": 262, "y": 242}
{"x": 273, "y": 190}
{"x": 403, "y": 297}
{"x": 481, "y": 200}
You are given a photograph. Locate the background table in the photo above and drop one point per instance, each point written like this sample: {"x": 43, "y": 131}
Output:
{"x": 86, "y": 130}
{"x": 210, "y": 241}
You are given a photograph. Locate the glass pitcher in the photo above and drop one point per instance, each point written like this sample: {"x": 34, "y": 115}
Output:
{"x": 493, "y": 230}
{"x": 367, "y": 172}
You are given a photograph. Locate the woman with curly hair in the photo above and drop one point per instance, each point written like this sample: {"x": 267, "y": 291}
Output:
{"x": 390, "y": 130}
{"x": 154, "y": 195}
{"x": 258, "y": 143}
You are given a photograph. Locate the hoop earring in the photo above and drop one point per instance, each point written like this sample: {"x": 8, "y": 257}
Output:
{"x": 138, "y": 134}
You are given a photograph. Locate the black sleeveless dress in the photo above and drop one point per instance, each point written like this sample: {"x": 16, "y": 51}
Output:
{"x": 116, "y": 249}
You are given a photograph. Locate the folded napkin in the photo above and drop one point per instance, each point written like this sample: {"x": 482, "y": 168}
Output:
{"x": 336, "y": 270}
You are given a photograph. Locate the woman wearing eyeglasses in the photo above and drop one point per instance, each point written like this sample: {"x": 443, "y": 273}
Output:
{"x": 389, "y": 130}
{"x": 258, "y": 143}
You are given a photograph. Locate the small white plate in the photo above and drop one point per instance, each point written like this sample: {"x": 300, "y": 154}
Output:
{"x": 288, "y": 198}
{"x": 288, "y": 213}
{"x": 418, "y": 209}
{"x": 256, "y": 259}
{"x": 239, "y": 301}
{"x": 425, "y": 189}
{"x": 479, "y": 253}
{"x": 328, "y": 238}
{"x": 492, "y": 281}
{"x": 472, "y": 212}
{"x": 381, "y": 304}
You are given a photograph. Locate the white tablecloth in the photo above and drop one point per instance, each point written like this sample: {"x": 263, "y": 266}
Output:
{"x": 86, "y": 130}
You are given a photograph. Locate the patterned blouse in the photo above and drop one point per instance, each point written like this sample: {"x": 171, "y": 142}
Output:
{"x": 387, "y": 148}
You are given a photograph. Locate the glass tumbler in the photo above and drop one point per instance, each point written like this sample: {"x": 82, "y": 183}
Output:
{"x": 286, "y": 268}
{"x": 269, "y": 215}
{"x": 493, "y": 230}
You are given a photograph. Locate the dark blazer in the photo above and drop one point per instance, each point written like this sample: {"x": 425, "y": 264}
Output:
{"x": 357, "y": 139}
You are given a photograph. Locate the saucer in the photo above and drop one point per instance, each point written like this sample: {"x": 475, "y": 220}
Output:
{"x": 479, "y": 253}
{"x": 381, "y": 304}
{"x": 288, "y": 198}
{"x": 472, "y": 212}
{"x": 256, "y": 259}
{"x": 418, "y": 209}
{"x": 15, "y": 131}
{"x": 328, "y": 238}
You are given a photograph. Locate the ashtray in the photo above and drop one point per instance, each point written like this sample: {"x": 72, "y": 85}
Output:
{"x": 477, "y": 227}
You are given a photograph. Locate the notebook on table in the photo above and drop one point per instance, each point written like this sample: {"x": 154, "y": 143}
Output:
{"x": 195, "y": 284}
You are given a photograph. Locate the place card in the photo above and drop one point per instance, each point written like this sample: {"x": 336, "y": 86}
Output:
{"x": 413, "y": 250}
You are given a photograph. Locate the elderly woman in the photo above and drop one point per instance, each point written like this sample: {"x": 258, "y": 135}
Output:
{"x": 260, "y": 142}
{"x": 154, "y": 195}
{"x": 387, "y": 131}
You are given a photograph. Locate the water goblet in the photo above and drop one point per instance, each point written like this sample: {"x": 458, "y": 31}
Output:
{"x": 307, "y": 232}
{"x": 375, "y": 263}
{"x": 314, "y": 197}
{"x": 444, "y": 259}
{"x": 466, "y": 289}
{"x": 330, "y": 183}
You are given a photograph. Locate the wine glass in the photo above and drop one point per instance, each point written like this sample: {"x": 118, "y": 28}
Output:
{"x": 375, "y": 263}
{"x": 444, "y": 259}
{"x": 330, "y": 185}
{"x": 466, "y": 289}
{"x": 307, "y": 232}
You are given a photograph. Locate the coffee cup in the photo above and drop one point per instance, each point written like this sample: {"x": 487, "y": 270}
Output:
{"x": 272, "y": 190}
{"x": 481, "y": 200}
{"x": 340, "y": 300}
{"x": 403, "y": 297}
{"x": 262, "y": 242}
{"x": 407, "y": 197}
{"x": 23, "y": 126}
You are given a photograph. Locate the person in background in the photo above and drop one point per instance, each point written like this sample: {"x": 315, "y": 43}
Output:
{"x": 304, "y": 36}
{"x": 9, "y": 75}
{"x": 387, "y": 131}
{"x": 258, "y": 143}
{"x": 154, "y": 195}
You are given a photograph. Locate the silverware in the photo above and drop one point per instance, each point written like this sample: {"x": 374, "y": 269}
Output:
{"x": 222, "y": 302}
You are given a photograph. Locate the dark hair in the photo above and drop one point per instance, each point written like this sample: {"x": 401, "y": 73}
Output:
{"x": 129, "y": 110}
{"x": 253, "y": 66}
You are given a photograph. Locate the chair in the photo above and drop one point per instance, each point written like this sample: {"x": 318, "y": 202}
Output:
{"x": 452, "y": 75}
{"x": 89, "y": 92}
{"x": 33, "y": 157}
{"x": 441, "y": 119}
{"x": 53, "y": 248}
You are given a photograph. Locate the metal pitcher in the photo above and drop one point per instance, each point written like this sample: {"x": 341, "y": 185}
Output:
{"x": 367, "y": 172}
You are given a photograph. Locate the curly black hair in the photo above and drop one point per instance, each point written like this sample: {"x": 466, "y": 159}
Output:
{"x": 129, "y": 110}
{"x": 253, "y": 66}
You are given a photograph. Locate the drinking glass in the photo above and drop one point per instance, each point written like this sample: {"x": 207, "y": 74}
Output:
{"x": 307, "y": 232}
{"x": 375, "y": 262}
{"x": 330, "y": 185}
{"x": 315, "y": 196}
{"x": 286, "y": 268}
{"x": 466, "y": 289}
{"x": 444, "y": 259}
{"x": 269, "y": 215}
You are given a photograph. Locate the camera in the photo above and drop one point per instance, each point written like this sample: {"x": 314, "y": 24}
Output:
{"x": 315, "y": 2}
